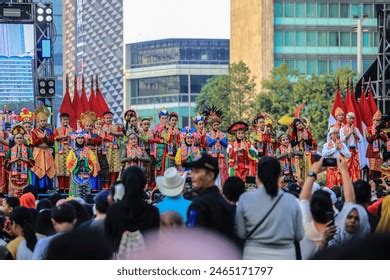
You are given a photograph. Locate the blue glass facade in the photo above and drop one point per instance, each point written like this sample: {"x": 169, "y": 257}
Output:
{"x": 317, "y": 37}
{"x": 58, "y": 47}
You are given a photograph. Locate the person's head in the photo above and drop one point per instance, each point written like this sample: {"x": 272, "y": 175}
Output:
{"x": 200, "y": 124}
{"x": 340, "y": 115}
{"x": 268, "y": 173}
{"x": 204, "y": 172}
{"x": 80, "y": 140}
{"x": 189, "y": 139}
{"x": 355, "y": 221}
{"x": 215, "y": 125}
{"x": 171, "y": 219}
{"x": 9, "y": 204}
{"x": 42, "y": 123}
{"x": 101, "y": 202}
{"x": 320, "y": 206}
{"x": 350, "y": 118}
{"x": 133, "y": 121}
{"x": 19, "y": 139}
{"x": 240, "y": 134}
{"x": 64, "y": 118}
{"x": 28, "y": 127}
{"x": 98, "y": 124}
{"x": 233, "y": 188}
{"x": 172, "y": 183}
{"x": 86, "y": 244}
{"x": 132, "y": 139}
{"x": 28, "y": 200}
{"x": 22, "y": 225}
{"x": 298, "y": 124}
{"x": 44, "y": 203}
{"x": 260, "y": 122}
{"x": 43, "y": 223}
{"x": 284, "y": 140}
{"x": 89, "y": 126}
{"x": 134, "y": 181}
{"x": 63, "y": 217}
{"x": 337, "y": 191}
{"x": 362, "y": 192}
{"x": 173, "y": 119}
{"x": 334, "y": 134}
{"x": 18, "y": 132}
{"x": 163, "y": 117}
{"x": 82, "y": 213}
{"x": 107, "y": 117}
{"x": 145, "y": 124}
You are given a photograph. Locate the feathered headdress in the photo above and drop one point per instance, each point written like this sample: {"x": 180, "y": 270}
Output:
{"x": 213, "y": 114}
{"x": 42, "y": 113}
{"x": 88, "y": 118}
{"x": 18, "y": 129}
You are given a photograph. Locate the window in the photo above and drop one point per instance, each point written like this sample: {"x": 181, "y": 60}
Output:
{"x": 322, "y": 67}
{"x": 290, "y": 64}
{"x": 311, "y": 67}
{"x": 334, "y": 10}
{"x": 354, "y": 39}
{"x": 300, "y": 39}
{"x": 279, "y": 38}
{"x": 333, "y": 39}
{"x": 278, "y": 62}
{"x": 311, "y": 9}
{"x": 345, "y": 39}
{"x": 278, "y": 9}
{"x": 356, "y": 10}
{"x": 322, "y": 10}
{"x": 289, "y": 9}
{"x": 368, "y": 10}
{"x": 300, "y": 10}
{"x": 311, "y": 40}
{"x": 301, "y": 66}
{"x": 345, "y": 64}
{"x": 322, "y": 42}
{"x": 366, "y": 39}
{"x": 344, "y": 11}
{"x": 375, "y": 39}
{"x": 289, "y": 38}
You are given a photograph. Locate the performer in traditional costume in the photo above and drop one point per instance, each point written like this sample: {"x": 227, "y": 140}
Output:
{"x": 286, "y": 155}
{"x": 44, "y": 168}
{"x": 172, "y": 137}
{"x": 301, "y": 142}
{"x": 340, "y": 118}
{"x": 94, "y": 141}
{"x": 104, "y": 173}
{"x": 188, "y": 150}
{"x": 239, "y": 151}
{"x": 200, "y": 123}
{"x": 4, "y": 144}
{"x": 160, "y": 144}
{"x": 62, "y": 148}
{"x": 333, "y": 149}
{"x": 376, "y": 138}
{"x": 27, "y": 119}
{"x": 18, "y": 160}
{"x": 133, "y": 154}
{"x": 131, "y": 122}
{"x": 217, "y": 143}
{"x": 145, "y": 142}
{"x": 351, "y": 136}
{"x": 81, "y": 162}
{"x": 113, "y": 138}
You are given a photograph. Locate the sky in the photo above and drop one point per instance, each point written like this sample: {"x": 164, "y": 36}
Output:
{"x": 146, "y": 20}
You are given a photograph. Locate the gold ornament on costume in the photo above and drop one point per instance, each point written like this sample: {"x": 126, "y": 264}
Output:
{"x": 42, "y": 113}
{"x": 18, "y": 129}
{"x": 88, "y": 118}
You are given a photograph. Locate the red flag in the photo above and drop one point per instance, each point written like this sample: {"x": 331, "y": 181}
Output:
{"x": 66, "y": 105}
{"x": 371, "y": 101}
{"x": 92, "y": 99}
{"x": 298, "y": 110}
{"x": 364, "y": 108}
{"x": 352, "y": 106}
{"x": 84, "y": 98}
{"x": 78, "y": 107}
{"x": 100, "y": 99}
{"x": 338, "y": 101}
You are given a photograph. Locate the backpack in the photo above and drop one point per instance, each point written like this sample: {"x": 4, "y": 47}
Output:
{"x": 132, "y": 243}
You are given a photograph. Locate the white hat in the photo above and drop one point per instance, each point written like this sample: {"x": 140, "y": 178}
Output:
{"x": 171, "y": 184}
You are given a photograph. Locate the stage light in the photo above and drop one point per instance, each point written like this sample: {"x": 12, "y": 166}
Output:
{"x": 42, "y": 84}
{"x": 49, "y": 11}
{"x": 40, "y": 11}
{"x": 49, "y": 18}
{"x": 40, "y": 18}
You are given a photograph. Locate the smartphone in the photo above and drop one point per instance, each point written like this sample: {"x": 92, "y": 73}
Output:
{"x": 329, "y": 162}
{"x": 330, "y": 217}
{"x": 250, "y": 180}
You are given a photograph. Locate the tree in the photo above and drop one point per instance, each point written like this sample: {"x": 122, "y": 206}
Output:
{"x": 232, "y": 93}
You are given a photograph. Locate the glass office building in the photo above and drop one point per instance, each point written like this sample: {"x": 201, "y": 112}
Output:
{"x": 317, "y": 37}
{"x": 171, "y": 73}
{"x": 58, "y": 59}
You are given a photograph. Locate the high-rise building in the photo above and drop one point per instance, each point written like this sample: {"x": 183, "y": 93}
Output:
{"x": 12, "y": 40}
{"x": 58, "y": 52}
{"x": 93, "y": 42}
{"x": 170, "y": 74}
{"x": 16, "y": 81}
{"x": 313, "y": 37}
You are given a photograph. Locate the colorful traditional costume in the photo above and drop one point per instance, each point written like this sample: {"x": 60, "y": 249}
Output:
{"x": 201, "y": 134}
{"x": 160, "y": 143}
{"x": 44, "y": 169}
{"x": 27, "y": 119}
{"x": 18, "y": 160}
{"x": 188, "y": 150}
{"x": 286, "y": 156}
{"x": 133, "y": 154}
{"x": 239, "y": 151}
{"x": 62, "y": 148}
{"x": 145, "y": 142}
{"x": 172, "y": 137}
{"x": 4, "y": 143}
{"x": 104, "y": 173}
{"x": 81, "y": 163}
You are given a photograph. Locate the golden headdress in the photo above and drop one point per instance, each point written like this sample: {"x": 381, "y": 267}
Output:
{"x": 338, "y": 111}
{"x": 88, "y": 118}
{"x": 42, "y": 113}
{"x": 26, "y": 116}
{"x": 18, "y": 129}
{"x": 377, "y": 115}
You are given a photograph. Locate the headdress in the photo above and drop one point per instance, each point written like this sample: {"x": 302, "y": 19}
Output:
{"x": 42, "y": 113}
{"x": 163, "y": 112}
{"x": 18, "y": 129}
{"x": 351, "y": 114}
{"x": 80, "y": 134}
{"x": 213, "y": 115}
{"x": 281, "y": 134}
{"x": 377, "y": 115}
{"x": 264, "y": 116}
{"x": 146, "y": 119}
{"x": 198, "y": 119}
{"x": 131, "y": 112}
{"x": 333, "y": 130}
{"x": 26, "y": 116}
{"x": 190, "y": 132}
{"x": 238, "y": 126}
{"x": 338, "y": 111}
{"x": 286, "y": 120}
{"x": 173, "y": 115}
{"x": 88, "y": 118}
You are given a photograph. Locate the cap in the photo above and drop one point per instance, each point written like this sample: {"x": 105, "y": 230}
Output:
{"x": 206, "y": 162}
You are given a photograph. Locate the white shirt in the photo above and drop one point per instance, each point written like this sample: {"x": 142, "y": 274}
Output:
{"x": 329, "y": 150}
{"x": 351, "y": 142}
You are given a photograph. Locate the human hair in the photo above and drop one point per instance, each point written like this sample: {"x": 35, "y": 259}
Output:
{"x": 43, "y": 224}
{"x": 64, "y": 213}
{"x": 30, "y": 189}
{"x": 268, "y": 172}
{"x": 82, "y": 214}
{"x": 44, "y": 204}
{"x": 233, "y": 187}
{"x": 22, "y": 217}
{"x": 64, "y": 115}
{"x": 171, "y": 219}
{"x": 362, "y": 192}
{"x": 320, "y": 204}
{"x": 134, "y": 181}
{"x": 101, "y": 202}
{"x": 55, "y": 198}
{"x": 12, "y": 201}
{"x": 337, "y": 191}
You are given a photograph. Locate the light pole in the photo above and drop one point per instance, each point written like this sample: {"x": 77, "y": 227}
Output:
{"x": 359, "y": 47}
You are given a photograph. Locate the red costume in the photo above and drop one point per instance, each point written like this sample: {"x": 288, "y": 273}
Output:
{"x": 239, "y": 151}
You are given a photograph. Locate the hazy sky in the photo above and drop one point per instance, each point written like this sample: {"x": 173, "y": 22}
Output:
{"x": 160, "y": 19}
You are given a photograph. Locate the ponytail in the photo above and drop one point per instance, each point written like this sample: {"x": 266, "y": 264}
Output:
{"x": 22, "y": 217}
{"x": 268, "y": 171}
{"x": 29, "y": 235}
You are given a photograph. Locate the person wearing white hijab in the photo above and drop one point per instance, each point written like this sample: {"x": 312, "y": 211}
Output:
{"x": 352, "y": 224}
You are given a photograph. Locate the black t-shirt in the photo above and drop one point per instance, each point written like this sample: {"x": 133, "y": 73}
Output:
{"x": 211, "y": 211}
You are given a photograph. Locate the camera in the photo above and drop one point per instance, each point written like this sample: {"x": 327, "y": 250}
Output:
{"x": 329, "y": 162}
